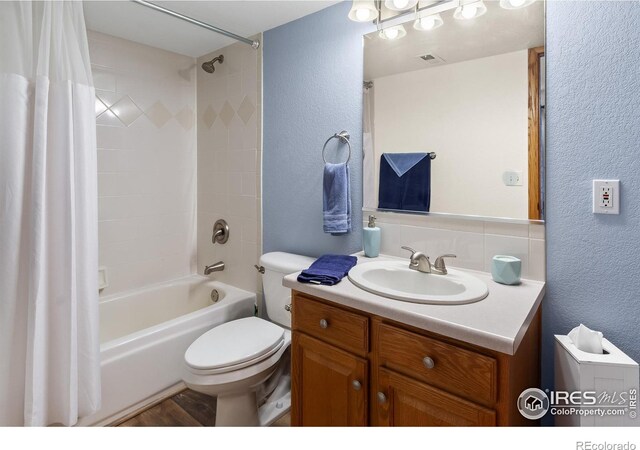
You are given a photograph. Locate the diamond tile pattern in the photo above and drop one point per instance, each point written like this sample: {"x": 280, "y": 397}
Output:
{"x": 126, "y": 110}
{"x": 100, "y": 106}
{"x": 109, "y": 119}
{"x": 246, "y": 110}
{"x": 227, "y": 113}
{"x": 158, "y": 114}
{"x": 209, "y": 117}
{"x": 185, "y": 118}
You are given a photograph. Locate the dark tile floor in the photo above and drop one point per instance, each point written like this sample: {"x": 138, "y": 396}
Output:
{"x": 185, "y": 409}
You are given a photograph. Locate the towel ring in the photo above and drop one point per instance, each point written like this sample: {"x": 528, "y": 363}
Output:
{"x": 344, "y": 137}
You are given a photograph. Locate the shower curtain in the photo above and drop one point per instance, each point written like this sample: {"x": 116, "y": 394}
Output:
{"x": 369, "y": 172}
{"x": 49, "y": 348}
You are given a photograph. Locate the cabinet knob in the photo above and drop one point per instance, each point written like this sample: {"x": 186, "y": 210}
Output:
{"x": 382, "y": 398}
{"x": 428, "y": 362}
{"x": 323, "y": 323}
{"x": 356, "y": 385}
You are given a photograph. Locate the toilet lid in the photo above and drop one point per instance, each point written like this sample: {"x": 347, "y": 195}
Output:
{"x": 233, "y": 343}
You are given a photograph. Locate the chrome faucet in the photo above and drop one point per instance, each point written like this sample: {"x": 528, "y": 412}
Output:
{"x": 420, "y": 262}
{"x": 217, "y": 267}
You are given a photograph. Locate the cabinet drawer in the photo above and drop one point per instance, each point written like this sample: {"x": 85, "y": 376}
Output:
{"x": 336, "y": 326}
{"x": 448, "y": 367}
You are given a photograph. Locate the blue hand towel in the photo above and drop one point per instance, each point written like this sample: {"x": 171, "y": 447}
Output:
{"x": 405, "y": 181}
{"x": 336, "y": 199}
{"x": 328, "y": 269}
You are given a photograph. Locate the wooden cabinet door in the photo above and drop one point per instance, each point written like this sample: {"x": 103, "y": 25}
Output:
{"x": 329, "y": 386}
{"x": 402, "y": 402}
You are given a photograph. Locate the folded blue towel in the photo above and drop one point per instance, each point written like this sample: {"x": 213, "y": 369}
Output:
{"x": 405, "y": 181}
{"x": 328, "y": 269}
{"x": 336, "y": 199}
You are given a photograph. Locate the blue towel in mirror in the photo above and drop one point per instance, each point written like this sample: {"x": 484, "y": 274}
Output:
{"x": 405, "y": 181}
{"x": 336, "y": 199}
{"x": 328, "y": 269}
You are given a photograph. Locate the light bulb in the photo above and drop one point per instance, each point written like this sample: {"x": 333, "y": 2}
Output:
{"x": 401, "y": 4}
{"x": 515, "y": 4}
{"x": 427, "y": 23}
{"x": 396, "y": 32}
{"x": 469, "y": 11}
{"x": 391, "y": 33}
{"x": 362, "y": 14}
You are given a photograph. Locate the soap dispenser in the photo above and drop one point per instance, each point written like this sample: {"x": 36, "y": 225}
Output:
{"x": 371, "y": 238}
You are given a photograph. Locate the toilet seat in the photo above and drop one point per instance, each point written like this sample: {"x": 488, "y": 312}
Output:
{"x": 234, "y": 345}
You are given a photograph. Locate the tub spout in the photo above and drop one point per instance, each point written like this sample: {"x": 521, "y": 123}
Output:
{"x": 217, "y": 267}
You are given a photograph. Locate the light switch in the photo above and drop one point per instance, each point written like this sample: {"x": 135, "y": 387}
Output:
{"x": 606, "y": 196}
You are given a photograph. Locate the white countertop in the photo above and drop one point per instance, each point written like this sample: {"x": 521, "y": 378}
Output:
{"x": 498, "y": 322}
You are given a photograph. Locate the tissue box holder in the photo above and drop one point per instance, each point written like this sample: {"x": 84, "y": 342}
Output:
{"x": 612, "y": 371}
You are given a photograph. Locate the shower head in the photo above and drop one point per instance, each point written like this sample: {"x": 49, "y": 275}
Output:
{"x": 208, "y": 65}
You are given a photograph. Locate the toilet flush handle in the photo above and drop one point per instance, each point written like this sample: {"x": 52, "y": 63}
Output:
{"x": 287, "y": 307}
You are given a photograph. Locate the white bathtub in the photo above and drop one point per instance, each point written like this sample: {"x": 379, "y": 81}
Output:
{"x": 145, "y": 333}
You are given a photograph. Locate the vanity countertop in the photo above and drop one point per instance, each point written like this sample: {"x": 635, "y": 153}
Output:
{"x": 498, "y": 322}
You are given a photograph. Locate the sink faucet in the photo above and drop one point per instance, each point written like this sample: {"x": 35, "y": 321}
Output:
{"x": 217, "y": 267}
{"x": 420, "y": 262}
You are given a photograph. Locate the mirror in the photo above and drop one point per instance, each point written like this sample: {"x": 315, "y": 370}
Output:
{"x": 454, "y": 115}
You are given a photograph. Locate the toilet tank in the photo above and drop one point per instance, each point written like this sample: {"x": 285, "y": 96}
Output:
{"x": 276, "y": 296}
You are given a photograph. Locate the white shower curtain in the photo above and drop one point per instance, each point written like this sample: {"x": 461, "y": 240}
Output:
{"x": 369, "y": 172}
{"x": 49, "y": 348}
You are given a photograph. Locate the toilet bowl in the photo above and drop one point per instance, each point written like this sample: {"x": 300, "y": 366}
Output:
{"x": 245, "y": 363}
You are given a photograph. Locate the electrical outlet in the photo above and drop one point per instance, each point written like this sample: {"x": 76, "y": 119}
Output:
{"x": 512, "y": 178}
{"x": 606, "y": 196}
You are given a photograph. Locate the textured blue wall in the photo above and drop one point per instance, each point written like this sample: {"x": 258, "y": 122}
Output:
{"x": 312, "y": 85}
{"x": 593, "y": 131}
{"x": 312, "y": 72}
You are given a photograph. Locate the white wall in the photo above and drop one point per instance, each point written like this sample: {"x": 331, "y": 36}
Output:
{"x": 473, "y": 114}
{"x": 229, "y": 161}
{"x": 146, "y": 162}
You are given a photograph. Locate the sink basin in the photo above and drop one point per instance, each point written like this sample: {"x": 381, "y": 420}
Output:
{"x": 394, "y": 279}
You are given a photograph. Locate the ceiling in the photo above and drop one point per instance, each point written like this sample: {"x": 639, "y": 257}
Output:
{"x": 246, "y": 18}
{"x": 496, "y": 32}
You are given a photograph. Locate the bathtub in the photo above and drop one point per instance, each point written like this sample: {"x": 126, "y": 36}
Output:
{"x": 145, "y": 333}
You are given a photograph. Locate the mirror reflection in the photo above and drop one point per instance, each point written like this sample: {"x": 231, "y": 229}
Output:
{"x": 454, "y": 114}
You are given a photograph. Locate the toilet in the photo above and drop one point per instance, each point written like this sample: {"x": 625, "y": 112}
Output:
{"x": 245, "y": 363}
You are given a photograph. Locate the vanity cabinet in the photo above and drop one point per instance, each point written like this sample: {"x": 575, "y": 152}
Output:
{"x": 352, "y": 368}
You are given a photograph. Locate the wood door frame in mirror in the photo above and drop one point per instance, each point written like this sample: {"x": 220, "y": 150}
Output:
{"x": 534, "y": 132}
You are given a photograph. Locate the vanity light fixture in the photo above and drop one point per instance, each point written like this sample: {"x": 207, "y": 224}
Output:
{"x": 396, "y": 32}
{"x": 428, "y": 23}
{"x": 363, "y": 11}
{"x": 515, "y": 4}
{"x": 400, "y": 5}
{"x": 470, "y": 10}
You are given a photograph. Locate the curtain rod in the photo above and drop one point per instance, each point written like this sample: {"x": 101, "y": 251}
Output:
{"x": 254, "y": 44}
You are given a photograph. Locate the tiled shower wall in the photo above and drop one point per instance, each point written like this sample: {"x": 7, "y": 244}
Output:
{"x": 146, "y": 132}
{"x": 229, "y": 161}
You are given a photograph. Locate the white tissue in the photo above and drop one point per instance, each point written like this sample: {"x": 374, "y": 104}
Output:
{"x": 586, "y": 339}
